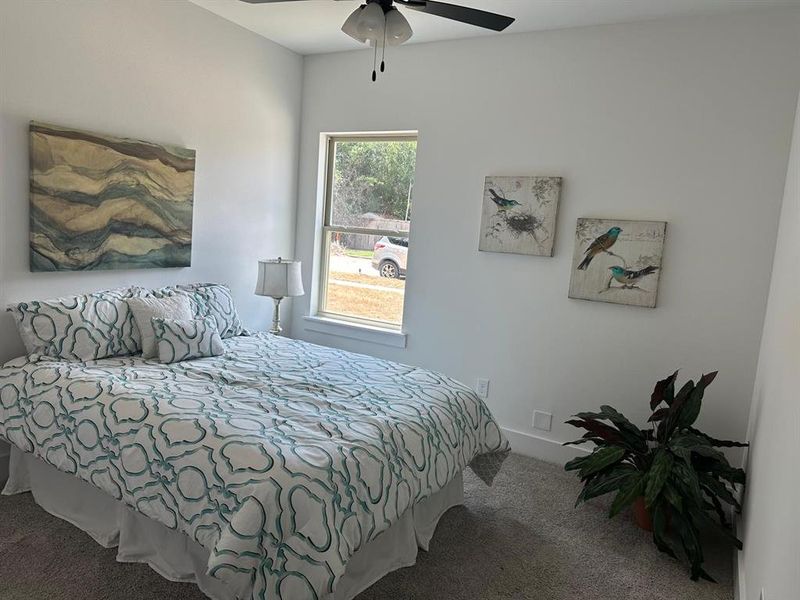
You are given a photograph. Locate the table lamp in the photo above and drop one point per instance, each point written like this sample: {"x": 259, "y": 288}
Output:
{"x": 279, "y": 279}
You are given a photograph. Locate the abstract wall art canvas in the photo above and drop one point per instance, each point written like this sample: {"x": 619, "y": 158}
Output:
{"x": 102, "y": 202}
{"x": 617, "y": 261}
{"x": 519, "y": 215}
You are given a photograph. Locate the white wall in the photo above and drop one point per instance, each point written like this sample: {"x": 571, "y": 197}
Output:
{"x": 771, "y": 532}
{"x": 166, "y": 72}
{"x": 687, "y": 121}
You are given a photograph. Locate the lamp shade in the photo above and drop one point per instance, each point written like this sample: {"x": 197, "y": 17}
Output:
{"x": 350, "y": 26}
{"x": 371, "y": 22}
{"x": 279, "y": 278}
{"x": 397, "y": 28}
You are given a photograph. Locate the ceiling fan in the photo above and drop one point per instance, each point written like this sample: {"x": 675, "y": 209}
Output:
{"x": 379, "y": 23}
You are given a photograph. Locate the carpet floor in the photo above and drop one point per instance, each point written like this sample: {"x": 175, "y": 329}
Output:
{"x": 520, "y": 539}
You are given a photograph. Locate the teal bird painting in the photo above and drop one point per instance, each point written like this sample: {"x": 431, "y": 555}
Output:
{"x": 601, "y": 244}
{"x": 629, "y": 278}
{"x": 518, "y": 214}
{"x": 501, "y": 202}
{"x": 617, "y": 261}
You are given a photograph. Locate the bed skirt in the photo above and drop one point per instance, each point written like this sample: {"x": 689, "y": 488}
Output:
{"x": 177, "y": 557}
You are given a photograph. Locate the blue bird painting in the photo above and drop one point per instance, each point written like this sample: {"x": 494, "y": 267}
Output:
{"x": 518, "y": 214}
{"x": 634, "y": 248}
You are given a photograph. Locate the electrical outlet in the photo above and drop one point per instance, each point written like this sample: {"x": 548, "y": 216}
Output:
{"x": 482, "y": 388}
{"x": 542, "y": 420}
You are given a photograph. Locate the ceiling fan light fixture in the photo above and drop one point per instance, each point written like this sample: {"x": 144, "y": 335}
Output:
{"x": 380, "y": 24}
{"x": 350, "y": 26}
{"x": 371, "y": 22}
{"x": 398, "y": 30}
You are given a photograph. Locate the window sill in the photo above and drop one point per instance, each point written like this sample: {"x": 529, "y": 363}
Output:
{"x": 363, "y": 333}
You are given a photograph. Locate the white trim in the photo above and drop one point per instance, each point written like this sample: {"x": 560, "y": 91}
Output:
{"x": 324, "y": 227}
{"x": 319, "y": 222}
{"x": 545, "y": 449}
{"x": 739, "y": 584}
{"x": 5, "y": 455}
{"x": 389, "y": 133}
{"x": 353, "y": 331}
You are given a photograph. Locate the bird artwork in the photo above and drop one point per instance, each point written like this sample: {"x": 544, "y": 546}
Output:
{"x": 617, "y": 261}
{"x": 518, "y": 214}
{"x": 628, "y": 277}
{"x": 501, "y": 202}
{"x": 601, "y": 244}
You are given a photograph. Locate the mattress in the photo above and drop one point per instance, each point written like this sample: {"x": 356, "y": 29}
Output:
{"x": 280, "y": 458}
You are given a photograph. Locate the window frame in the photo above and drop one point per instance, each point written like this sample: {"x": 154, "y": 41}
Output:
{"x": 327, "y": 228}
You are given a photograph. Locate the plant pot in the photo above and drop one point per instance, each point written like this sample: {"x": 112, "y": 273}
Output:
{"x": 641, "y": 515}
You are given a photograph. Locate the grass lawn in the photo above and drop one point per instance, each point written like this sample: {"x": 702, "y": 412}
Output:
{"x": 358, "y": 253}
{"x": 363, "y": 302}
{"x": 368, "y": 279}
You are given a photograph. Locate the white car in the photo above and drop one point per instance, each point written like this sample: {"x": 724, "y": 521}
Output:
{"x": 389, "y": 256}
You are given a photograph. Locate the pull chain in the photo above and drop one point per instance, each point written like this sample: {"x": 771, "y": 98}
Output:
{"x": 374, "y": 62}
{"x": 383, "y": 50}
{"x": 383, "y": 54}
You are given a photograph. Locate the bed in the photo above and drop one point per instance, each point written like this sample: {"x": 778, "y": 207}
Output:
{"x": 279, "y": 470}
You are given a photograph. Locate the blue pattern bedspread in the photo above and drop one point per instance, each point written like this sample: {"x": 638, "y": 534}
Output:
{"x": 281, "y": 458}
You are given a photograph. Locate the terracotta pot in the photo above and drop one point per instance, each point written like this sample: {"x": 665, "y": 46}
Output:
{"x": 641, "y": 515}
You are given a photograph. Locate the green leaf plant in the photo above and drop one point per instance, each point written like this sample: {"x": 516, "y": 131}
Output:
{"x": 685, "y": 480}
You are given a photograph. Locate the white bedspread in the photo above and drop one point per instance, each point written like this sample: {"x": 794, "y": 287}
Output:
{"x": 281, "y": 458}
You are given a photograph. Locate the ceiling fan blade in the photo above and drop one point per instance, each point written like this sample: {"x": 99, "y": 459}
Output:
{"x": 471, "y": 16}
{"x": 267, "y": 1}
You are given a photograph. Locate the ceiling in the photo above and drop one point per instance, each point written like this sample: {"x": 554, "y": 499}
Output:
{"x": 313, "y": 26}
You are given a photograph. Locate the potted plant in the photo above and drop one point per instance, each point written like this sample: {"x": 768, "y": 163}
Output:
{"x": 674, "y": 476}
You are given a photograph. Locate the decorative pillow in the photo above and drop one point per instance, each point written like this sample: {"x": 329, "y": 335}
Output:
{"x": 184, "y": 340}
{"x": 144, "y": 309}
{"x": 209, "y": 300}
{"x": 81, "y": 328}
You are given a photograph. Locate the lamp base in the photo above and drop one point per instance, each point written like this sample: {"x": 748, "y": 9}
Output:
{"x": 276, "y": 318}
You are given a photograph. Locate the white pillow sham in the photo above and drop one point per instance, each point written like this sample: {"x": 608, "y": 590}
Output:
{"x": 208, "y": 300}
{"x": 144, "y": 309}
{"x": 79, "y": 328}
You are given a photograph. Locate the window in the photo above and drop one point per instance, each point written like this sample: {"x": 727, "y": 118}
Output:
{"x": 367, "y": 219}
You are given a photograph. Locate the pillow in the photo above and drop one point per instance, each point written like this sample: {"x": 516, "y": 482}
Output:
{"x": 144, "y": 309}
{"x": 179, "y": 340}
{"x": 80, "y": 328}
{"x": 209, "y": 300}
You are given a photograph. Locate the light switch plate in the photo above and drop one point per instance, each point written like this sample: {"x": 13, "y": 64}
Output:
{"x": 482, "y": 388}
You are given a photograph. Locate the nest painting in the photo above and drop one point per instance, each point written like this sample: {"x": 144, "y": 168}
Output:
{"x": 101, "y": 202}
{"x": 617, "y": 261}
{"x": 519, "y": 215}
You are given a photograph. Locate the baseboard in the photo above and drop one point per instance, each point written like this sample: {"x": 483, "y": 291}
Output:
{"x": 542, "y": 448}
{"x": 739, "y": 587}
{"x": 4, "y": 456}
